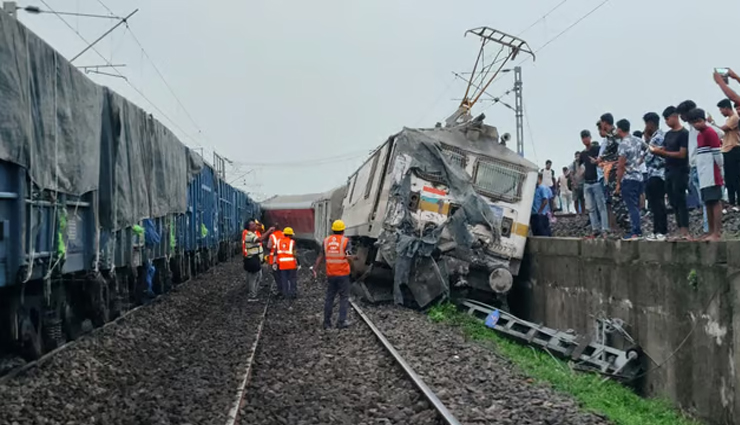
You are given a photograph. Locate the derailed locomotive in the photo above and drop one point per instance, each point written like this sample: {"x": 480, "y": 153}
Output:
{"x": 430, "y": 210}
{"x": 101, "y": 206}
{"x": 438, "y": 208}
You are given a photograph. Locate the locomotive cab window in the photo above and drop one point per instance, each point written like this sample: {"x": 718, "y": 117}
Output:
{"x": 455, "y": 156}
{"x": 371, "y": 177}
{"x": 352, "y": 191}
{"x": 499, "y": 180}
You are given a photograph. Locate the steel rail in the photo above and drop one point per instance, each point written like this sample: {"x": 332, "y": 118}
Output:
{"x": 242, "y": 390}
{"x": 428, "y": 393}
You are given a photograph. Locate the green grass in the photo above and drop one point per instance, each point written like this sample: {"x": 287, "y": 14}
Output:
{"x": 607, "y": 398}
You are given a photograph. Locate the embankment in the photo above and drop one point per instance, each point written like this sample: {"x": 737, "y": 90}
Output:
{"x": 680, "y": 301}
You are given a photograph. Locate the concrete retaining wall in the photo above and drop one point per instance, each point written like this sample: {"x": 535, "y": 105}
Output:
{"x": 681, "y": 302}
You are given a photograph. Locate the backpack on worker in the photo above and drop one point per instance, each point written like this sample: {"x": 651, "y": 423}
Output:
{"x": 252, "y": 264}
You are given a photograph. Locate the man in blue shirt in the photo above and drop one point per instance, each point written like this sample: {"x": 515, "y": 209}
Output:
{"x": 539, "y": 222}
{"x": 629, "y": 176}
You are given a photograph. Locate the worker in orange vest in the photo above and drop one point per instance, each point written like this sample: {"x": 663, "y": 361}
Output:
{"x": 336, "y": 252}
{"x": 272, "y": 244}
{"x": 287, "y": 263}
{"x": 259, "y": 231}
{"x": 253, "y": 255}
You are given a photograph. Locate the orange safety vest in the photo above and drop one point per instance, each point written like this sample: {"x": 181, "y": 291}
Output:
{"x": 274, "y": 238}
{"x": 252, "y": 248}
{"x": 285, "y": 257}
{"x": 244, "y": 242}
{"x": 335, "y": 252}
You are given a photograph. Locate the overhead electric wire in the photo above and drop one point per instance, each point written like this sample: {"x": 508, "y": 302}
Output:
{"x": 495, "y": 99}
{"x": 37, "y": 10}
{"x": 484, "y": 74}
{"x": 582, "y": 18}
{"x": 136, "y": 89}
{"x": 308, "y": 163}
{"x": 542, "y": 18}
{"x": 106, "y": 7}
{"x": 531, "y": 133}
{"x": 436, "y": 102}
{"x": 159, "y": 73}
{"x": 560, "y": 34}
{"x": 164, "y": 80}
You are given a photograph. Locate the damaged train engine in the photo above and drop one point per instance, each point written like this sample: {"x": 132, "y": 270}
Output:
{"x": 434, "y": 209}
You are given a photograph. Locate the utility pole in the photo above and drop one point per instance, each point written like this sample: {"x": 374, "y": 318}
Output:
{"x": 519, "y": 109}
{"x": 11, "y": 8}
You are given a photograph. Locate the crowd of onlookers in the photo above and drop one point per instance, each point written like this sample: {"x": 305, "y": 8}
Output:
{"x": 628, "y": 174}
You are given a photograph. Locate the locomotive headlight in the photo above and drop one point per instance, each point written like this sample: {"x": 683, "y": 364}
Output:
{"x": 500, "y": 280}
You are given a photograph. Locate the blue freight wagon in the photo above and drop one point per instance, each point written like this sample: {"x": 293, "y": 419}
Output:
{"x": 101, "y": 206}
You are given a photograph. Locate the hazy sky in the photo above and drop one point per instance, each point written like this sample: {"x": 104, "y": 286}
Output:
{"x": 292, "y": 82}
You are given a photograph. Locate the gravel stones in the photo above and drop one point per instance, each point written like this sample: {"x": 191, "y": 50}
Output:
{"x": 181, "y": 360}
{"x": 305, "y": 375}
{"x": 476, "y": 385}
{"x": 578, "y": 225}
{"x": 177, "y": 361}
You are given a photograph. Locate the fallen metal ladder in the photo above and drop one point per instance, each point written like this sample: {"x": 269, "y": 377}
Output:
{"x": 589, "y": 354}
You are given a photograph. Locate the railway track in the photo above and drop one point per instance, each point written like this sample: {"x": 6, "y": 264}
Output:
{"x": 13, "y": 372}
{"x": 205, "y": 355}
{"x": 367, "y": 393}
{"x": 177, "y": 361}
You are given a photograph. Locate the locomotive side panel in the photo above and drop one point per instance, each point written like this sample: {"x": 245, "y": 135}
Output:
{"x": 361, "y": 210}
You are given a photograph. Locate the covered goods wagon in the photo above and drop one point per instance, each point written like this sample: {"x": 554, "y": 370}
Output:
{"x": 101, "y": 206}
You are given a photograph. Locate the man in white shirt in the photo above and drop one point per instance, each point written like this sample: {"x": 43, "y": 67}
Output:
{"x": 548, "y": 179}
{"x": 566, "y": 194}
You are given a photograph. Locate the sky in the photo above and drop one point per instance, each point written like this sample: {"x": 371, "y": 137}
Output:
{"x": 296, "y": 94}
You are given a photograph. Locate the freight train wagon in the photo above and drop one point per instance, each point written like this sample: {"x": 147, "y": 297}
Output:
{"x": 309, "y": 215}
{"x": 101, "y": 206}
{"x": 440, "y": 208}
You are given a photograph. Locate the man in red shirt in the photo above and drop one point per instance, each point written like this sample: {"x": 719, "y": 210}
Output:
{"x": 709, "y": 163}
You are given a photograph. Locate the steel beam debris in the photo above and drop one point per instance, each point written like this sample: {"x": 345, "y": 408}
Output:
{"x": 589, "y": 354}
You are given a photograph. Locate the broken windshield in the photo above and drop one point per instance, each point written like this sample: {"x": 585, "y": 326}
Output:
{"x": 499, "y": 180}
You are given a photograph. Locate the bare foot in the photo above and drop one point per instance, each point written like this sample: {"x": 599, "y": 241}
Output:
{"x": 712, "y": 238}
{"x": 704, "y": 237}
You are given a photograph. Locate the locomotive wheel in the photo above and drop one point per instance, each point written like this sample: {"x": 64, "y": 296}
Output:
{"x": 33, "y": 346}
{"x": 115, "y": 298}
{"x": 100, "y": 301}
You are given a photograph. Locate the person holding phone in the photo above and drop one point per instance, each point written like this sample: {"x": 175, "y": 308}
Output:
{"x": 675, "y": 150}
{"x": 722, "y": 77}
{"x": 730, "y": 150}
{"x": 593, "y": 188}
